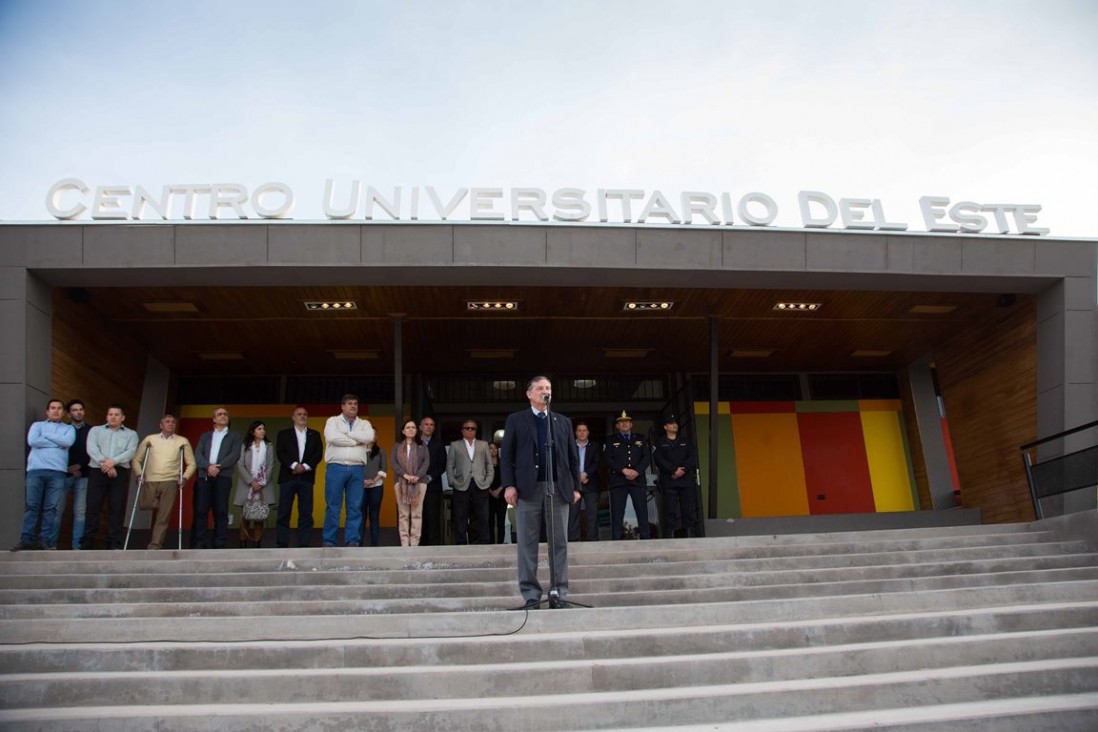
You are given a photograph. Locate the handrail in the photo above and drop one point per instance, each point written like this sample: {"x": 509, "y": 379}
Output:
{"x": 1058, "y": 435}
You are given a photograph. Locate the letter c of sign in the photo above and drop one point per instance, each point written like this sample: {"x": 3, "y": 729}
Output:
{"x": 55, "y": 193}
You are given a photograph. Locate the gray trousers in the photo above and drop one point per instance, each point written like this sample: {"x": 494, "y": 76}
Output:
{"x": 529, "y": 515}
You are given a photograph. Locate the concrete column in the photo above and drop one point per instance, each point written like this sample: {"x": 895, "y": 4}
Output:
{"x": 25, "y": 373}
{"x": 1067, "y": 354}
{"x": 938, "y": 475}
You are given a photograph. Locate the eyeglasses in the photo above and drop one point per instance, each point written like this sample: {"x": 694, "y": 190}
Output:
{"x": 468, "y": 429}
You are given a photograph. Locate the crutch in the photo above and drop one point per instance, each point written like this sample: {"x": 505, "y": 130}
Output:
{"x": 137, "y": 494}
{"x": 180, "y": 498}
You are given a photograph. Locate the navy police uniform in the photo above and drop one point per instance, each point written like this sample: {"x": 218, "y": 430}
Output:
{"x": 679, "y": 494}
{"x": 627, "y": 451}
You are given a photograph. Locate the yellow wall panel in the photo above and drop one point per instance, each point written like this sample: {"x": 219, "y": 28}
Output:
{"x": 888, "y": 468}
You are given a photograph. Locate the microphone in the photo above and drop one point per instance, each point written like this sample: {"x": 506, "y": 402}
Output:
{"x": 545, "y": 398}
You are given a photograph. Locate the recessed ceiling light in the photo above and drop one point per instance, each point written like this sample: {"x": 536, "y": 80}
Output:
{"x": 330, "y": 305}
{"x": 636, "y": 306}
{"x": 494, "y": 305}
{"x": 798, "y": 307}
{"x": 584, "y": 383}
{"x": 503, "y": 385}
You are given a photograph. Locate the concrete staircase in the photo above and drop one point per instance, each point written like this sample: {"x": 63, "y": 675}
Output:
{"x": 960, "y": 628}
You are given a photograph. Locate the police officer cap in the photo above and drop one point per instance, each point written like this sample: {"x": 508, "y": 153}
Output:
{"x": 623, "y": 417}
{"x": 670, "y": 418}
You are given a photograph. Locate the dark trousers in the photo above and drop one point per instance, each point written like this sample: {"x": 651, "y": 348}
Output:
{"x": 302, "y": 489}
{"x": 432, "y": 518}
{"x": 637, "y": 493}
{"x": 471, "y": 502}
{"x": 211, "y": 494}
{"x": 371, "y": 511}
{"x": 497, "y": 517}
{"x": 588, "y": 507}
{"x": 103, "y": 487}
{"x": 679, "y": 509}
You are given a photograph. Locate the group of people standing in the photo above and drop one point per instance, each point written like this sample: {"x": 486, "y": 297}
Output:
{"x": 94, "y": 465}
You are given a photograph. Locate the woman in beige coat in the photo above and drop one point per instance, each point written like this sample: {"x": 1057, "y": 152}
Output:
{"x": 255, "y": 474}
{"x": 408, "y": 464}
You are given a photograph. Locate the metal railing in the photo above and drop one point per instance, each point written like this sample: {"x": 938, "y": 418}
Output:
{"x": 1062, "y": 474}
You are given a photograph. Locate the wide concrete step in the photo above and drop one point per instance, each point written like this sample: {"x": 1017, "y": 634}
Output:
{"x": 594, "y": 710}
{"x": 445, "y": 558}
{"x": 517, "y": 678}
{"x": 481, "y": 596}
{"x": 1059, "y": 713}
{"x": 569, "y": 645}
{"x": 500, "y": 583}
{"x": 309, "y": 571}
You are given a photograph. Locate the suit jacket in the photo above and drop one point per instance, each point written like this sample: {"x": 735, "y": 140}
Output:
{"x": 286, "y": 450}
{"x": 436, "y": 451}
{"x": 590, "y": 466}
{"x": 463, "y": 472}
{"x": 518, "y": 455}
{"x": 226, "y": 456}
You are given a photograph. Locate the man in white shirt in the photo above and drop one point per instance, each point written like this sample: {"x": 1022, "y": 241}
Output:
{"x": 347, "y": 436}
{"x": 469, "y": 470}
{"x": 299, "y": 450}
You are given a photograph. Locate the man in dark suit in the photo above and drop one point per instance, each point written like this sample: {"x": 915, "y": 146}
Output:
{"x": 589, "y": 487}
{"x": 432, "y": 501}
{"x": 527, "y": 464}
{"x": 216, "y": 456}
{"x": 299, "y": 450}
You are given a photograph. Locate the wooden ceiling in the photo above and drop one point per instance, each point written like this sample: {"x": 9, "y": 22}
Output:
{"x": 554, "y": 328}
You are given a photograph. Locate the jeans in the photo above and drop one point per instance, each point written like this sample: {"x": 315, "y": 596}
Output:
{"x": 340, "y": 481}
{"x": 371, "y": 509}
{"x": 45, "y": 491}
{"x": 79, "y": 489}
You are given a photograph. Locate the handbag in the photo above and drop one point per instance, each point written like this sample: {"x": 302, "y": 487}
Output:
{"x": 254, "y": 508}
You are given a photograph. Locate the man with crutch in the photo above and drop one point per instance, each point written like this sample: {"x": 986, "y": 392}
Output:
{"x": 164, "y": 463}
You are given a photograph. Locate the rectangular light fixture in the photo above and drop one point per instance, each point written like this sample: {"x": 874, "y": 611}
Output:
{"x": 498, "y": 305}
{"x": 491, "y": 352}
{"x": 330, "y": 305}
{"x": 798, "y": 307}
{"x": 636, "y": 306}
{"x": 933, "y": 309}
{"x": 353, "y": 355}
{"x": 171, "y": 306}
{"x": 626, "y": 352}
{"x": 752, "y": 353}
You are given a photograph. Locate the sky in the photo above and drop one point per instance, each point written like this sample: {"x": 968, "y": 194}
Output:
{"x": 973, "y": 100}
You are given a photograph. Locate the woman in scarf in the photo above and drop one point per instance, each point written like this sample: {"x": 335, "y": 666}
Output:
{"x": 254, "y": 492}
{"x": 409, "y": 463}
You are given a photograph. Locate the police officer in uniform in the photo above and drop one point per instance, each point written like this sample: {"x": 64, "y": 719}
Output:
{"x": 677, "y": 463}
{"x": 627, "y": 457}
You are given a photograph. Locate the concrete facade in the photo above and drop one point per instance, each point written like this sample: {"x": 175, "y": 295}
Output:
{"x": 36, "y": 257}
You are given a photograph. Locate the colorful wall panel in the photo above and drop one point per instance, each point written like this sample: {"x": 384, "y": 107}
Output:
{"x": 806, "y": 458}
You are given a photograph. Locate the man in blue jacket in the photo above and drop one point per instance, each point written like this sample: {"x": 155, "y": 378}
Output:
{"x": 47, "y": 467}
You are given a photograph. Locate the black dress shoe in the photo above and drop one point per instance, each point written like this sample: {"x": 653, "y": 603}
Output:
{"x": 531, "y": 605}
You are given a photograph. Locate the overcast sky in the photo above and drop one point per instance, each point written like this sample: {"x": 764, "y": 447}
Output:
{"x": 993, "y": 102}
